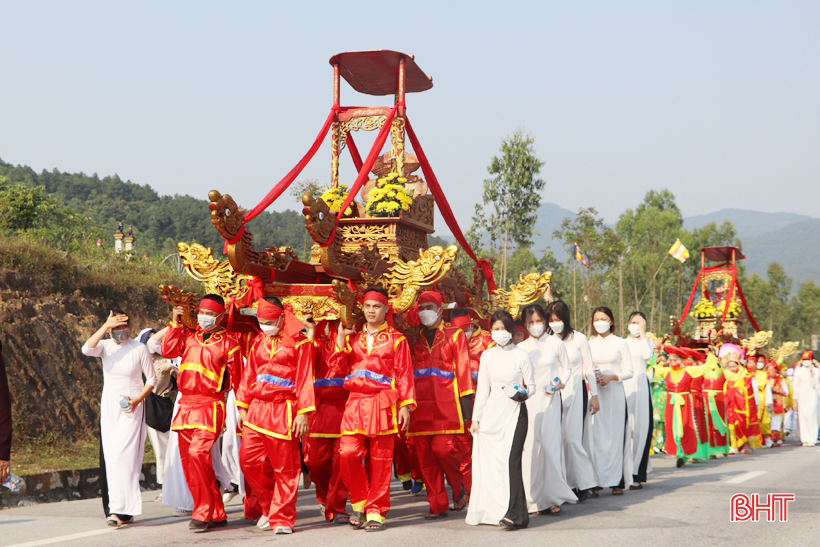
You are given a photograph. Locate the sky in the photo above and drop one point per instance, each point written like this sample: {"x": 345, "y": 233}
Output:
{"x": 715, "y": 100}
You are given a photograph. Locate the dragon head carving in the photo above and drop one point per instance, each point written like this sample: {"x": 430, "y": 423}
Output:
{"x": 226, "y": 215}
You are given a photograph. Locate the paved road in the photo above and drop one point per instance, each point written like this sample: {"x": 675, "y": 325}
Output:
{"x": 679, "y": 507}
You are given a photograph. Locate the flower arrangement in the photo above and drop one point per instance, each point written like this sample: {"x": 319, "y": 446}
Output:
{"x": 335, "y": 198}
{"x": 734, "y": 309}
{"x": 704, "y": 309}
{"x": 389, "y": 197}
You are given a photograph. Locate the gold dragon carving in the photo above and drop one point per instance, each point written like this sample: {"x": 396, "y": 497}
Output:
{"x": 760, "y": 339}
{"x": 228, "y": 219}
{"x": 406, "y": 280}
{"x": 219, "y": 277}
{"x": 530, "y": 287}
{"x": 785, "y": 349}
{"x": 178, "y": 297}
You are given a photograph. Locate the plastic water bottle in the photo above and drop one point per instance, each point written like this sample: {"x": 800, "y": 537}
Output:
{"x": 15, "y": 483}
{"x": 597, "y": 375}
{"x": 125, "y": 404}
{"x": 553, "y": 387}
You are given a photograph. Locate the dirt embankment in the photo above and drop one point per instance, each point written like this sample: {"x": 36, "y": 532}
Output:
{"x": 43, "y": 323}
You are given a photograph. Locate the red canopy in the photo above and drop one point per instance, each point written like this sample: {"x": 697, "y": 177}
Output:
{"x": 377, "y": 72}
{"x": 722, "y": 254}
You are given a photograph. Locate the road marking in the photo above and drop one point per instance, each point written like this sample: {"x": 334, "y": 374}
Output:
{"x": 60, "y": 539}
{"x": 745, "y": 477}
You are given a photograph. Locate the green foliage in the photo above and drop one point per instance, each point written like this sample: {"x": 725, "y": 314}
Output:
{"x": 513, "y": 194}
{"x": 159, "y": 222}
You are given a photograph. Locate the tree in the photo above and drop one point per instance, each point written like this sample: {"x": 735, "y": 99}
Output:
{"x": 514, "y": 194}
{"x": 602, "y": 247}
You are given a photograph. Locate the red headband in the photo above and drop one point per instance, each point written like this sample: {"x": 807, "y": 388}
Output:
{"x": 266, "y": 310}
{"x": 376, "y": 296}
{"x": 211, "y": 305}
{"x": 431, "y": 296}
{"x": 461, "y": 322}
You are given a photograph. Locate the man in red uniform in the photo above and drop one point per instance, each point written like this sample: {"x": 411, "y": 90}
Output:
{"x": 210, "y": 360}
{"x": 322, "y": 446}
{"x": 478, "y": 340}
{"x": 275, "y": 398}
{"x": 444, "y": 393}
{"x": 379, "y": 377}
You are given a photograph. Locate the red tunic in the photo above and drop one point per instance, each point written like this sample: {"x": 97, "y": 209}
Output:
{"x": 277, "y": 380}
{"x": 441, "y": 374}
{"x": 699, "y": 410}
{"x": 678, "y": 403}
{"x": 331, "y": 395}
{"x": 377, "y": 380}
{"x": 205, "y": 374}
{"x": 779, "y": 395}
{"x": 478, "y": 343}
{"x": 741, "y": 410}
{"x": 715, "y": 400}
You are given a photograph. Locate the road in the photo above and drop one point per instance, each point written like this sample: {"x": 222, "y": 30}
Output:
{"x": 680, "y": 507}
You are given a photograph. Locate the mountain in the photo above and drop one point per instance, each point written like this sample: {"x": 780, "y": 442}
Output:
{"x": 796, "y": 247}
{"x": 747, "y": 223}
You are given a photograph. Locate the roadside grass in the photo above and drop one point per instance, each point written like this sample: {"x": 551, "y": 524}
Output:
{"x": 47, "y": 453}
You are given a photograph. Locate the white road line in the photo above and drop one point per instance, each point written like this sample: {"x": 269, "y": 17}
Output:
{"x": 745, "y": 477}
{"x": 60, "y": 539}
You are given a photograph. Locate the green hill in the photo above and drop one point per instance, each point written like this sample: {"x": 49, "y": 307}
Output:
{"x": 159, "y": 222}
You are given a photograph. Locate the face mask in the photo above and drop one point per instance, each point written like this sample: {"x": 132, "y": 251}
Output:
{"x": 428, "y": 317}
{"x": 602, "y": 326}
{"x": 805, "y": 363}
{"x": 119, "y": 336}
{"x": 468, "y": 334}
{"x": 760, "y": 366}
{"x": 557, "y": 327}
{"x": 501, "y": 337}
{"x": 206, "y": 321}
{"x": 634, "y": 330}
{"x": 536, "y": 330}
{"x": 269, "y": 330}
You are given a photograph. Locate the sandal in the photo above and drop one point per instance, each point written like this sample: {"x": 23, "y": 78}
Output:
{"x": 508, "y": 525}
{"x": 374, "y": 526}
{"x": 113, "y": 520}
{"x": 617, "y": 491}
{"x": 341, "y": 518}
{"x": 593, "y": 493}
{"x": 551, "y": 510}
{"x": 434, "y": 516}
{"x": 356, "y": 520}
{"x": 462, "y": 500}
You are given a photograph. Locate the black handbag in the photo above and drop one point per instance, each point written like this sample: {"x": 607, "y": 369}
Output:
{"x": 159, "y": 411}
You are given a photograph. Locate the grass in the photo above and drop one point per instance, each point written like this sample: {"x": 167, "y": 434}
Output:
{"x": 50, "y": 453}
{"x": 94, "y": 272}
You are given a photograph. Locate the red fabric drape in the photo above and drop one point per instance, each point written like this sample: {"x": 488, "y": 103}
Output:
{"x": 283, "y": 184}
{"x": 746, "y": 307}
{"x": 365, "y": 170}
{"x": 691, "y": 298}
{"x": 446, "y": 211}
{"x": 354, "y": 152}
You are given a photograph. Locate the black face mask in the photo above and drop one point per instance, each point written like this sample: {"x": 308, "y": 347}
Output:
{"x": 121, "y": 335}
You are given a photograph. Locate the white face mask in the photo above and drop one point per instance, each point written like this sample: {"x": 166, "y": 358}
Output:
{"x": 536, "y": 330}
{"x": 805, "y": 363}
{"x": 206, "y": 321}
{"x": 119, "y": 336}
{"x": 269, "y": 330}
{"x": 557, "y": 327}
{"x": 760, "y": 366}
{"x": 602, "y": 326}
{"x": 501, "y": 337}
{"x": 634, "y": 329}
{"x": 428, "y": 317}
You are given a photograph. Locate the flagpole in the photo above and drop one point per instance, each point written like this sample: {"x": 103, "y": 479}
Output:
{"x": 574, "y": 296}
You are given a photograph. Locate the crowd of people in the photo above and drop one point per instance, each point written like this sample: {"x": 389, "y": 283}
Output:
{"x": 517, "y": 420}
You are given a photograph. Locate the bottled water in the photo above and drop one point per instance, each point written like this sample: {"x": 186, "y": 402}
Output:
{"x": 15, "y": 483}
{"x": 553, "y": 386}
{"x": 125, "y": 404}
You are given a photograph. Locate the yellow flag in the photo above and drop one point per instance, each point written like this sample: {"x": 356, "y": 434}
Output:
{"x": 679, "y": 251}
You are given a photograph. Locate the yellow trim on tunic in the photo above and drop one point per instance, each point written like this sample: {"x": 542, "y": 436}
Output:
{"x": 199, "y": 426}
{"x": 264, "y": 431}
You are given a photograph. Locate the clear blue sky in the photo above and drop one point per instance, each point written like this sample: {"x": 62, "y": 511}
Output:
{"x": 717, "y": 101}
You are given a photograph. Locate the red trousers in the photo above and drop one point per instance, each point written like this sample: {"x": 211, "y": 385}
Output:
{"x": 369, "y": 495}
{"x": 322, "y": 459}
{"x": 195, "y": 453}
{"x": 277, "y": 490}
{"x": 407, "y": 466}
{"x": 439, "y": 458}
{"x": 465, "y": 446}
